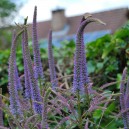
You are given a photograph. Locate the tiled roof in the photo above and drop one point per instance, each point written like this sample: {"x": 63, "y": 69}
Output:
{"x": 113, "y": 19}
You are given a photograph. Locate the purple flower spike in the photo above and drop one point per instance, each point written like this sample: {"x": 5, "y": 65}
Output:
{"x": 54, "y": 82}
{"x": 37, "y": 59}
{"x": 18, "y": 83}
{"x": 14, "y": 101}
{"x": 35, "y": 92}
{"x": 1, "y": 112}
{"x": 123, "y": 103}
{"x": 28, "y": 84}
{"x": 127, "y": 94}
{"x": 84, "y": 62}
{"x": 80, "y": 68}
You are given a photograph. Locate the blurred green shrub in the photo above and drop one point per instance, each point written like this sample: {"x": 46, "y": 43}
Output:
{"x": 107, "y": 56}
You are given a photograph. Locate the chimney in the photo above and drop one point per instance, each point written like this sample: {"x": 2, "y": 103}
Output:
{"x": 58, "y": 19}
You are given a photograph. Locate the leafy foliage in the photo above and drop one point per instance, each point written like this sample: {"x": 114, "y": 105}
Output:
{"x": 108, "y": 56}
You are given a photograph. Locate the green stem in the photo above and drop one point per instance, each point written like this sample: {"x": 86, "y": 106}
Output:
{"x": 79, "y": 110}
{"x": 87, "y": 97}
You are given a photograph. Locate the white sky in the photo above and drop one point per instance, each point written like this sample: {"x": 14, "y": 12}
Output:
{"x": 73, "y": 7}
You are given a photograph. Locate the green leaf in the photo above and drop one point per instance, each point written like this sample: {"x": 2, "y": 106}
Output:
{"x": 100, "y": 65}
{"x": 97, "y": 114}
{"x": 110, "y": 108}
{"x": 119, "y": 76}
{"x": 91, "y": 66}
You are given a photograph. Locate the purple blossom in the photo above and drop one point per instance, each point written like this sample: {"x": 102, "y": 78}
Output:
{"x": 37, "y": 59}
{"x": 28, "y": 84}
{"x": 1, "y": 112}
{"x": 35, "y": 92}
{"x": 77, "y": 80}
{"x": 14, "y": 101}
{"x": 123, "y": 101}
{"x": 127, "y": 94}
{"x": 80, "y": 68}
{"x": 18, "y": 83}
{"x": 54, "y": 82}
{"x": 84, "y": 62}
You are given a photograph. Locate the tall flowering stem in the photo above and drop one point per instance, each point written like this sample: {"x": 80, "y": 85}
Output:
{"x": 18, "y": 83}
{"x": 123, "y": 100}
{"x": 83, "y": 54}
{"x": 35, "y": 92}
{"x": 80, "y": 68}
{"x": 14, "y": 101}
{"x": 54, "y": 82}
{"x": 44, "y": 123}
{"x": 79, "y": 65}
{"x": 1, "y": 112}
{"x": 28, "y": 83}
{"x": 85, "y": 78}
{"x": 37, "y": 59}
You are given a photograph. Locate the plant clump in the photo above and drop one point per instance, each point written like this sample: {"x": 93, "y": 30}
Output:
{"x": 38, "y": 104}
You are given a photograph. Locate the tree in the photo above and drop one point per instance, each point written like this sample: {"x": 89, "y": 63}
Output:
{"x": 8, "y": 11}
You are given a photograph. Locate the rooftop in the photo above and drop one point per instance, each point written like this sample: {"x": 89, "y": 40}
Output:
{"x": 114, "y": 19}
